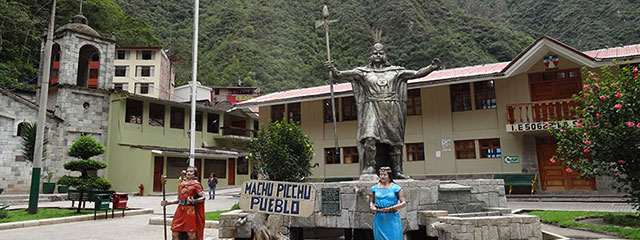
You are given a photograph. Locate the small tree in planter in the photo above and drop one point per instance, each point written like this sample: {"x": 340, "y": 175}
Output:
{"x": 47, "y": 186}
{"x": 84, "y": 148}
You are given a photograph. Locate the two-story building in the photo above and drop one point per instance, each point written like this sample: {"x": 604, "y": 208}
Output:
{"x": 216, "y": 94}
{"x": 149, "y": 137}
{"x": 146, "y": 71}
{"x": 464, "y": 122}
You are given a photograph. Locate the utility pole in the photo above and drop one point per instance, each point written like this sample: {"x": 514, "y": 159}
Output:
{"x": 192, "y": 130}
{"x": 42, "y": 114}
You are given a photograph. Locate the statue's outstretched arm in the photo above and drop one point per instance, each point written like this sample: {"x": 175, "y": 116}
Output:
{"x": 349, "y": 75}
{"x": 411, "y": 74}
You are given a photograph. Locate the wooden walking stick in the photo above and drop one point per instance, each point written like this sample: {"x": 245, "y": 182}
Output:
{"x": 325, "y": 23}
{"x": 164, "y": 208}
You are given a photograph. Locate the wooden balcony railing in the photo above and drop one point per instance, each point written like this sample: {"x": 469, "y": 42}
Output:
{"x": 540, "y": 111}
{"x": 238, "y": 131}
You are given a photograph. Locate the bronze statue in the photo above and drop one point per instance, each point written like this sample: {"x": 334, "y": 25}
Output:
{"x": 380, "y": 91}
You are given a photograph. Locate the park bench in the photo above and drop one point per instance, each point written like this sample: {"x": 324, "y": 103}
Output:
{"x": 516, "y": 179}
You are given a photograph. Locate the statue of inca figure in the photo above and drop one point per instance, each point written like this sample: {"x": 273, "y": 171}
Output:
{"x": 380, "y": 92}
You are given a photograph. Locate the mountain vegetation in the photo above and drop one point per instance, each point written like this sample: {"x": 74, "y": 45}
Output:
{"x": 274, "y": 45}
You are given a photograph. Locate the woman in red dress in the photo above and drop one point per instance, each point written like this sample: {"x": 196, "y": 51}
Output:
{"x": 189, "y": 216}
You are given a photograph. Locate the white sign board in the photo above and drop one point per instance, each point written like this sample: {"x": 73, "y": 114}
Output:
{"x": 282, "y": 198}
{"x": 539, "y": 126}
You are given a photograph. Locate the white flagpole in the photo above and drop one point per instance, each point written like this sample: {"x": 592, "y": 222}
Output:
{"x": 192, "y": 128}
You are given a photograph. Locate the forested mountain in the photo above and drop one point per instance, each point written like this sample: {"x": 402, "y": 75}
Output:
{"x": 274, "y": 45}
{"x": 23, "y": 24}
{"x": 583, "y": 24}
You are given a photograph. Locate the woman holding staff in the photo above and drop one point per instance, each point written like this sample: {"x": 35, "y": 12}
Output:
{"x": 386, "y": 198}
{"x": 189, "y": 216}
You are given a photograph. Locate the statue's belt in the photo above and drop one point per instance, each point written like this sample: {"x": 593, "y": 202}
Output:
{"x": 184, "y": 203}
{"x": 381, "y": 100}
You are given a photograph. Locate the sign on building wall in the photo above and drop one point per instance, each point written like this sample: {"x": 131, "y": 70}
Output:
{"x": 282, "y": 198}
{"x": 539, "y": 126}
{"x": 511, "y": 159}
{"x": 551, "y": 61}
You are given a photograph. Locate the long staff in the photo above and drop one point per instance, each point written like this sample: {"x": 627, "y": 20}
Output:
{"x": 325, "y": 23}
{"x": 164, "y": 208}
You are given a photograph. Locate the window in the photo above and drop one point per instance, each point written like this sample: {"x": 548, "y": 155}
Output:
{"x": 219, "y": 167}
{"x": 351, "y": 155}
{"x": 331, "y": 156}
{"x": 133, "y": 112}
{"x": 145, "y": 55}
{"x": 242, "y": 166}
{"x": 121, "y": 86}
{"x": 213, "y": 125}
{"x": 490, "y": 148}
{"x": 277, "y": 112}
{"x": 144, "y": 88}
{"x": 415, "y": 152}
{"x": 485, "y": 94}
{"x": 465, "y": 149}
{"x": 175, "y": 165}
{"x": 122, "y": 71}
{"x": 145, "y": 71}
{"x": 122, "y": 54}
{"x": 414, "y": 102}
{"x": 293, "y": 112}
{"x": 349, "y": 111}
{"x": 177, "y": 117}
{"x": 20, "y": 129}
{"x": 156, "y": 115}
{"x": 328, "y": 114}
{"x": 460, "y": 97}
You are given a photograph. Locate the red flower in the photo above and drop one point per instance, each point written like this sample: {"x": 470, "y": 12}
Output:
{"x": 585, "y": 86}
{"x": 639, "y": 124}
{"x": 554, "y": 161}
{"x": 586, "y": 150}
{"x": 596, "y": 85}
{"x": 614, "y": 84}
{"x": 547, "y": 123}
{"x": 568, "y": 170}
{"x": 598, "y": 115}
{"x": 603, "y": 97}
{"x": 590, "y": 91}
{"x": 635, "y": 77}
{"x": 578, "y": 124}
{"x": 586, "y": 142}
{"x": 631, "y": 124}
{"x": 591, "y": 106}
{"x": 591, "y": 74}
{"x": 595, "y": 79}
{"x": 586, "y": 95}
{"x": 635, "y": 70}
{"x": 584, "y": 134}
{"x": 617, "y": 106}
{"x": 618, "y": 95}
{"x": 619, "y": 161}
{"x": 563, "y": 131}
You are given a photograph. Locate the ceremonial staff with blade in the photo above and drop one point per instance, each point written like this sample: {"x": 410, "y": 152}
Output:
{"x": 325, "y": 23}
{"x": 164, "y": 208}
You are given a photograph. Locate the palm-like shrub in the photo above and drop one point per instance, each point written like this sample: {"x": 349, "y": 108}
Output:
{"x": 28, "y": 140}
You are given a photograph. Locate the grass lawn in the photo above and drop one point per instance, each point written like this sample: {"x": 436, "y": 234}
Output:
{"x": 566, "y": 218}
{"x": 216, "y": 215}
{"x": 43, "y": 213}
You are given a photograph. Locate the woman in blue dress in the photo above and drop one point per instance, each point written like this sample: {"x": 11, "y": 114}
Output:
{"x": 386, "y": 198}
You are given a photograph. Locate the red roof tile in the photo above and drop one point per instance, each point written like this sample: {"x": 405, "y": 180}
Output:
{"x": 618, "y": 52}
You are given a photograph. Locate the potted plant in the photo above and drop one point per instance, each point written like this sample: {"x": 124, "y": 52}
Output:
{"x": 63, "y": 188}
{"x": 86, "y": 184}
{"x": 48, "y": 187}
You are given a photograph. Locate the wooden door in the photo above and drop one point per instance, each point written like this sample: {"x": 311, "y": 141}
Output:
{"x": 232, "y": 171}
{"x": 158, "y": 167}
{"x": 553, "y": 176}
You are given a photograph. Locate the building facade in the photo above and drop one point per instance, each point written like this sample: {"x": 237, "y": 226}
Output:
{"x": 216, "y": 94}
{"x": 464, "y": 122}
{"x": 149, "y": 138}
{"x": 145, "y": 71}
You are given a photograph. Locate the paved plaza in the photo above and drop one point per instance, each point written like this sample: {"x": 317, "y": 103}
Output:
{"x": 137, "y": 227}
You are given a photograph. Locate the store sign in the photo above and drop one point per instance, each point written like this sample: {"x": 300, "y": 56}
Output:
{"x": 282, "y": 198}
{"x": 511, "y": 159}
{"x": 539, "y": 126}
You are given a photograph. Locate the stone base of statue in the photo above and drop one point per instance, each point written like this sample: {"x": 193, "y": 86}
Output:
{"x": 369, "y": 177}
{"x": 434, "y": 209}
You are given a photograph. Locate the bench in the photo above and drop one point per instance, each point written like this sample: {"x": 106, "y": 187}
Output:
{"x": 516, "y": 179}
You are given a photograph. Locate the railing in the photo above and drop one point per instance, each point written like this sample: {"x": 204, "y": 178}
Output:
{"x": 238, "y": 131}
{"x": 540, "y": 111}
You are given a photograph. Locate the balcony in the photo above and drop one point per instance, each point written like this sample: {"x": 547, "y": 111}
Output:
{"x": 527, "y": 117}
{"x": 236, "y": 135}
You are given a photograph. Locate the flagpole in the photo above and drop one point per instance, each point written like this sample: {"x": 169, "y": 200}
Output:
{"x": 192, "y": 124}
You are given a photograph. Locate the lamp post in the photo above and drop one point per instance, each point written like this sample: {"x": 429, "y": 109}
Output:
{"x": 192, "y": 129}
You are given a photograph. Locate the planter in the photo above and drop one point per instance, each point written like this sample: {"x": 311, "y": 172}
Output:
{"x": 48, "y": 187}
{"x": 1, "y": 190}
{"x": 74, "y": 195}
{"x": 63, "y": 188}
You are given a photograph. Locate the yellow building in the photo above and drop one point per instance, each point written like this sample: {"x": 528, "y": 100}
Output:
{"x": 149, "y": 138}
{"x": 145, "y": 71}
{"x": 463, "y": 122}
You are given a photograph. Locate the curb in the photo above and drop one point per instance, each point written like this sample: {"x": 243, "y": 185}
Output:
{"x": 160, "y": 221}
{"x": 50, "y": 221}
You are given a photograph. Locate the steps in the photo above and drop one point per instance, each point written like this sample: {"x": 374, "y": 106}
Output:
{"x": 566, "y": 198}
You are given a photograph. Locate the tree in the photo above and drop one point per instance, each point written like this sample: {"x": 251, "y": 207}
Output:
{"x": 282, "y": 152}
{"x": 28, "y": 139}
{"x": 84, "y": 148}
{"x": 606, "y": 138}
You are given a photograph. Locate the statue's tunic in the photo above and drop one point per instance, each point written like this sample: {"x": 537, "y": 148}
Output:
{"x": 381, "y": 97}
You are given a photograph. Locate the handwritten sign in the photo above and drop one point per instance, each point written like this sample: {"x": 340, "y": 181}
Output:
{"x": 282, "y": 198}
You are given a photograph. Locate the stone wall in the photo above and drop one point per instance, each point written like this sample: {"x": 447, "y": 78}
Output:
{"x": 489, "y": 227}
